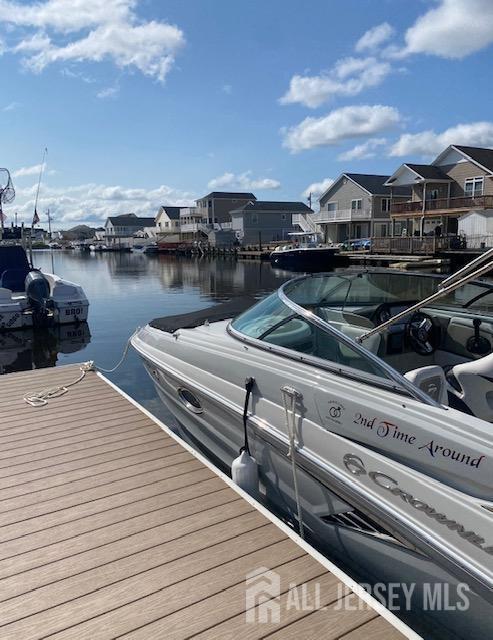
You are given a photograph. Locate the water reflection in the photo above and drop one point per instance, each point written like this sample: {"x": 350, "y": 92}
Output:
{"x": 35, "y": 349}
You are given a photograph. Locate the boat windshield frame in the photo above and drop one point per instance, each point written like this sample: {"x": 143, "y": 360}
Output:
{"x": 403, "y": 385}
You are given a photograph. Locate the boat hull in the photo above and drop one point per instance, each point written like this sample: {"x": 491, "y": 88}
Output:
{"x": 313, "y": 259}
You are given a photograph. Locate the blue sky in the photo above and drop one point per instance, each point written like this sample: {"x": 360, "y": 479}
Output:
{"x": 153, "y": 102}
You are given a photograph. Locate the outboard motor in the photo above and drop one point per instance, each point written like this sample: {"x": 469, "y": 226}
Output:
{"x": 38, "y": 295}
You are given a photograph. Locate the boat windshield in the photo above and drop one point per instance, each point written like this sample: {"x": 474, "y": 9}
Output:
{"x": 318, "y": 319}
{"x": 354, "y": 290}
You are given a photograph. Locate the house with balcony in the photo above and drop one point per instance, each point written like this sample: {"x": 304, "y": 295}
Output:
{"x": 120, "y": 230}
{"x": 262, "y": 221}
{"x": 216, "y": 206}
{"x": 452, "y": 195}
{"x": 357, "y": 205}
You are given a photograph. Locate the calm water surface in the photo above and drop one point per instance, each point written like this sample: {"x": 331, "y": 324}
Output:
{"x": 126, "y": 291}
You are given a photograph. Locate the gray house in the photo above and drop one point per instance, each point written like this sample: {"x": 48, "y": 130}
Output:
{"x": 264, "y": 221}
{"x": 215, "y": 207}
{"x": 357, "y": 205}
{"x": 120, "y": 230}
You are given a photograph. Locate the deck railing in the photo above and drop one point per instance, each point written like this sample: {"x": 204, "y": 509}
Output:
{"x": 440, "y": 204}
{"x": 409, "y": 245}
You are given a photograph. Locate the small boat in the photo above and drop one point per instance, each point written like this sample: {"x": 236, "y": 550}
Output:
{"x": 367, "y": 411}
{"x": 30, "y": 298}
{"x": 306, "y": 252}
{"x": 149, "y": 248}
{"x": 96, "y": 247}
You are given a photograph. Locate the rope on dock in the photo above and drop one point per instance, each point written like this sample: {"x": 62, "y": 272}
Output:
{"x": 40, "y": 399}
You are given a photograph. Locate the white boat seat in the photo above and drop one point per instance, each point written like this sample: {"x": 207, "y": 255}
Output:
{"x": 351, "y": 325}
{"x": 431, "y": 380}
{"x": 475, "y": 379}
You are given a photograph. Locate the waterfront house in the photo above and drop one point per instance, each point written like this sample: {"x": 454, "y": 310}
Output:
{"x": 210, "y": 220}
{"x": 120, "y": 230}
{"x": 357, "y": 205}
{"x": 168, "y": 220}
{"x": 451, "y": 195}
{"x": 259, "y": 221}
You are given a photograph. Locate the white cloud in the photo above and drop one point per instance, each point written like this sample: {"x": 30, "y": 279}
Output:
{"x": 242, "y": 181}
{"x": 95, "y": 202}
{"x": 453, "y": 29}
{"x": 12, "y": 106}
{"x": 32, "y": 171}
{"x": 317, "y": 188}
{"x": 227, "y": 89}
{"x": 430, "y": 143}
{"x": 374, "y": 37}
{"x": 108, "y": 30}
{"x": 340, "y": 124}
{"x": 348, "y": 77}
{"x": 362, "y": 151}
{"x": 108, "y": 92}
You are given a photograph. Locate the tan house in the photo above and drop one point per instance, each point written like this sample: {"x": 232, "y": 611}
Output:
{"x": 444, "y": 194}
{"x": 357, "y": 205}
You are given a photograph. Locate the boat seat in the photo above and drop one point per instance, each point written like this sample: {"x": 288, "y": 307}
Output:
{"x": 14, "y": 279}
{"x": 475, "y": 385}
{"x": 431, "y": 380}
{"x": 351, "y": 325}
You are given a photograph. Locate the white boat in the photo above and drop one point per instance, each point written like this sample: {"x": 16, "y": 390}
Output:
{"x": 370, "y": 416}
{"x": 30, "y": 298}
{"x": 305, "y": 251}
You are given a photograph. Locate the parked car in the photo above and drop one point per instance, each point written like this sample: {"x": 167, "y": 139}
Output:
{"x": 360, "y": 244}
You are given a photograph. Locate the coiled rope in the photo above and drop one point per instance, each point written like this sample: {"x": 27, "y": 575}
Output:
{"x": 41, "y": 398}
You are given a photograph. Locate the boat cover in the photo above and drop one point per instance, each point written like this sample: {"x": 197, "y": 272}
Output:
{"x": 14, "y": 267}
{"x": 219, "y": 312}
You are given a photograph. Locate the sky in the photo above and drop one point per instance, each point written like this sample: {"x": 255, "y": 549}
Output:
{"x": 152, "y": 102}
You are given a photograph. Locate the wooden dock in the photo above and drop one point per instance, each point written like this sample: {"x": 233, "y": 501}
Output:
{"x": 111, "y": 527}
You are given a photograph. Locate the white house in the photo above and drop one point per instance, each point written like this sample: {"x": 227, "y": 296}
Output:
{"x": 168, "y": 220}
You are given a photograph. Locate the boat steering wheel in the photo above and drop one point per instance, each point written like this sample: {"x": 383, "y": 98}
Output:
{"x": 422, "y": 333}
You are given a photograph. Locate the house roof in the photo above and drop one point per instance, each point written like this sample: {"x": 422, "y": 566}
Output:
{"x": 230, "y": 195}
{"x": 371, "y": 183}
{"x": 374, "y": 184}
{"x": 428, "y": 171}
{"x": 269, "y": 206}
{"x": 131, "y": 220}
{"x": 173, "y": 213}
{"x": 480, "y": 155}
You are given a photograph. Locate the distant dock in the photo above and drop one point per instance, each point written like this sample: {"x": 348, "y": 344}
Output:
{"x": 112, "y": 526}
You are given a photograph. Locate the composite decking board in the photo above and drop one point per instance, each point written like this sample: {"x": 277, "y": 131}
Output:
{"x": 68, "y": 477}
{"x": 92, "y": 494}
{"x": 85, "y": 463}
{"x": 191, "y": 497}
{"x": 112, "y": 539}
{"x": 36, "y": 496}
{"x": 110, "y": 528}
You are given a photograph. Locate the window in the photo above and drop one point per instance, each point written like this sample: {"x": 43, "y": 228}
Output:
{"x": 386, "y": 205}
{"x": 331, "y": 206}
{"x": 284, "y": 217}
{"x": 432, "y": 194}
{"x": 474, "y": 187}
{"x": 254, "y": 218}
{"x": 356, "y": 205}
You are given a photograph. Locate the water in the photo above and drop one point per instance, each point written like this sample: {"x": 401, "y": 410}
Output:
{"x": 125, "y": 291}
